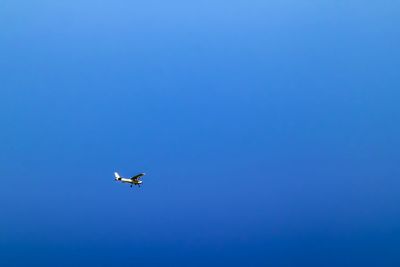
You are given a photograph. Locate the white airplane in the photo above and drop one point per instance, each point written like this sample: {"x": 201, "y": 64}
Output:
{"x": 135, "y": 180}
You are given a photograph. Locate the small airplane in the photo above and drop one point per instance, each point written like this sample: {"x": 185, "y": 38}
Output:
{"x": 135, "y": 180}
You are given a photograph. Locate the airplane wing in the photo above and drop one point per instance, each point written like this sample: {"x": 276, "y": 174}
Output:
{"x": 138, "y": 176}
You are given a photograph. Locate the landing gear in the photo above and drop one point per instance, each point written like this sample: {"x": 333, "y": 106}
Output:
{"x": 131, "y": 185}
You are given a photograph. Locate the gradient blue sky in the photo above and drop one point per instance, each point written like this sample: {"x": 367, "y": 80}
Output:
{"x": 269, "y": 131}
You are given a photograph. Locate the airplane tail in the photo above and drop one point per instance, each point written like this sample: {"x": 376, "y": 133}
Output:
{"x": 117, "y": 177}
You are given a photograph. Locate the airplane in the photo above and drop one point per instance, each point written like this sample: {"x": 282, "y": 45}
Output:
{"x": 135, "y": 180}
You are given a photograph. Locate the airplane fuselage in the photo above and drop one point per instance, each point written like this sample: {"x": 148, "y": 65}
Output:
{"x": 135, "y": 180}
{"x": 130, "y": 181}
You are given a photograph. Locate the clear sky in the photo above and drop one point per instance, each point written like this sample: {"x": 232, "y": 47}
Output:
{"x": 269, "y": 132}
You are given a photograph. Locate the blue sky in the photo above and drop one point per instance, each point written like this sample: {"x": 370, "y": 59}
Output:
{"x": 269, "y": 132}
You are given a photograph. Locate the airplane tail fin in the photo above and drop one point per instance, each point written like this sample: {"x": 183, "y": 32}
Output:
{"x": 117, "y": 177}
